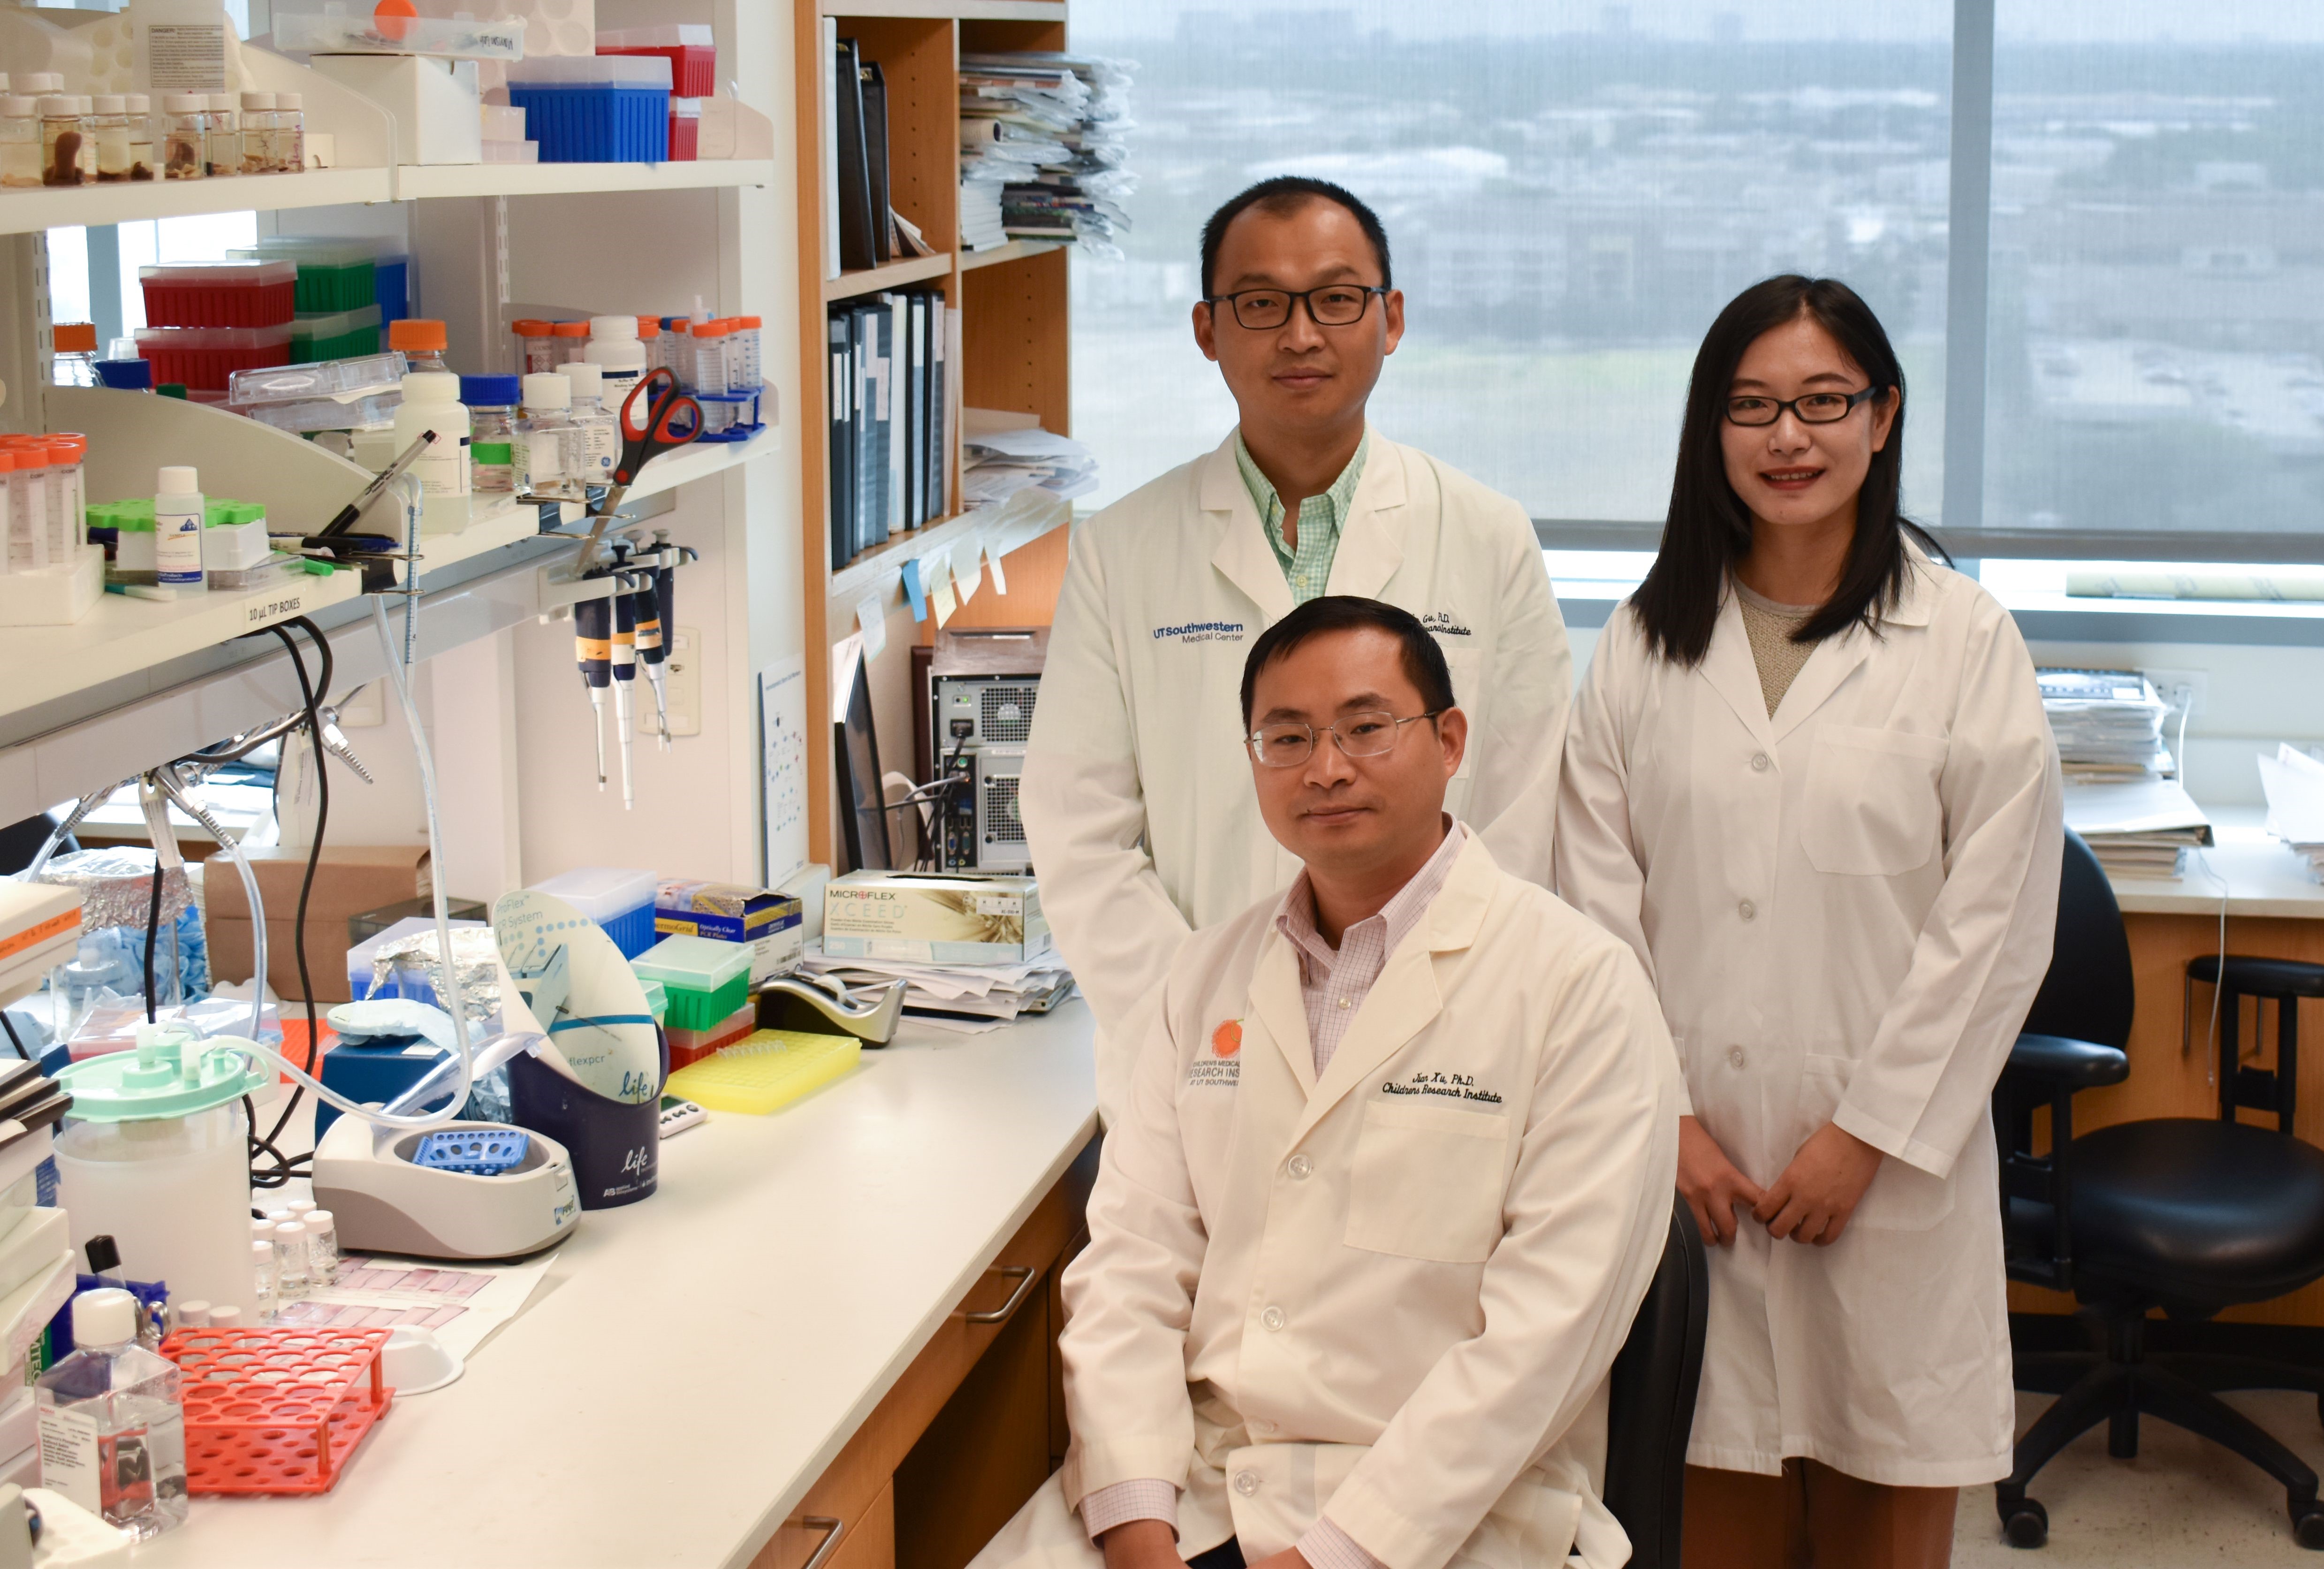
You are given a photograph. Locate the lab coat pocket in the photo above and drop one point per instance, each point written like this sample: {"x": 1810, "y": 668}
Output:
{"x": 1901, "y": 1197}
{"x": 1871, "y": 805}
{"x": 1428, "y": 1183}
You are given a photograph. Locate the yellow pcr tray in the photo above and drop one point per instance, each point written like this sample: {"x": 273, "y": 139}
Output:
{"x": 766, "y": 1071}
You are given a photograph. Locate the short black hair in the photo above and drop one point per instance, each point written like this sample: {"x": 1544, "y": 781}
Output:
{"x": 1283, "y": 194}
{"x": 1424, "y": 661}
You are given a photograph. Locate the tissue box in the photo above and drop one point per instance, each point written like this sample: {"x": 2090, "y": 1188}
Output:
{"x": 926, "y": 918}
{"x": 730, "y": 912}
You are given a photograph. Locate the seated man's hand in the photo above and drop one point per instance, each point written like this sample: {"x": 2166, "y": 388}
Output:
{"x": 1812, "y": 1201}
{"x": 1710, "y": 1183}
{"x": 1142, "y": 1544}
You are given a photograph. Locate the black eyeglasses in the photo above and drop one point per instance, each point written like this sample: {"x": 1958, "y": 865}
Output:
{"x": 1812, "y": 408}
{"x": 1332, "y": 305}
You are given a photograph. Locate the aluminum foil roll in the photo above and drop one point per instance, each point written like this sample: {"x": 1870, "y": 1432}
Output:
{"x": 116, "y": 887}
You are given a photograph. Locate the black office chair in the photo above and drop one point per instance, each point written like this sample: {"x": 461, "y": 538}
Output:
{"x": 2188, "y": 1215}
{"x": 1650, "y": 1400}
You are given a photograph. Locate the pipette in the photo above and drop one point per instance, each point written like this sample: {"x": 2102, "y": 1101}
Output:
{"x": 593, "y": 649}
{"x": 626, "y": 675}
{"x": 347, "y": 514}
{"x": 653, "y": 651}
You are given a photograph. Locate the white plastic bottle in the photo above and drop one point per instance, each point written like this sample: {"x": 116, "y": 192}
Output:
{"x": 431, "y": 402}
{"x": 544, "y": 453}
{"x": 111, "y": 1423}
{"x": 616, "y": 347}
{"x": 178, "y": 516}
{"x": 601, "y": 432}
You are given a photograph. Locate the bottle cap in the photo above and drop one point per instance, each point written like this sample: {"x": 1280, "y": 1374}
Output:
{"x": 126, "y": 376}
{"x": 103, "y": 1253}
{"x": 613, "y": 327}
{"x": 255, "y": 101}
{"x": 547, "y": 390}
{"x": 138, "y": 102}
{"x": 301, "y": 1208}
{"x": 17, "y": 108}
{"x": 490, "y": 392}
{"x": 226, "y": 1315}
{"x": 219, "y": 102}
{"x": 43, "y": 81}
{"x": 292, "y": 1231}
{"x": 55, "y": 105}
{"x": 528, "y": 328}
{"x": 178, "y": 481}
{"x": 750, "y": 323}
{"x": 108, "y": 103}
{"x": 430, "y": 387}
{"x": 711, "y": 330}
{"x": 104, "y": 1317}
{"x": 318, "y": 1221}
{"x": 293, "y": 102}
{"x": 569, "y": 329}
{"x": 588, "y": 381}
{"x": 87, "y": 105}
{"x": 8, "y": 464}
{"x": 170, "y": 1073}
{"x": 416, "y": 332}
{"x": 262, "y": 1248}
{"x": 173, "y": 389}
{"x": 194, "y": 1315}
{"x": 648, "y": 327}
{"x": 75, "y": 337}
{"x": 259, "y": 1229}
{"x": 184, "y": 103}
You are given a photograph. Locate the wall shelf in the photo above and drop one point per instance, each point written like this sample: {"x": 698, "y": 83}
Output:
{"x": 890, "y": 275}
{"x": 1015, "y": 250}
{"x": 419, "y": 181}
{"x": 878, "y": 573}
{"x": 25, "y": 212}
{"x": 1051, "y": 11}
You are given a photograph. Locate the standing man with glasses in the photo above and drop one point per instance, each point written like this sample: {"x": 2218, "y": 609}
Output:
{"x": 1142, "y": 826}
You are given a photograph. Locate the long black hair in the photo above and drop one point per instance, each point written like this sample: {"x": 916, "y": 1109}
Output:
{"x": 1709, "y": 531}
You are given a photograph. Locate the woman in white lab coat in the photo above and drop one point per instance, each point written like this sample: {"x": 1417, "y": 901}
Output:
{"x": 1809, "y": 780}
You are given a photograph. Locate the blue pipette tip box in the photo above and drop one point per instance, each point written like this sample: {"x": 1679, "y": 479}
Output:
{"x": 473, "y": 1152}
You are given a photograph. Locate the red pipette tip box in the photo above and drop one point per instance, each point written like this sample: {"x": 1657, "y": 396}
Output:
{"x": 276, "y": 1410}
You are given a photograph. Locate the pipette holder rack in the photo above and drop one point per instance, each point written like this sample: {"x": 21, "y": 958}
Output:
{"x": 276, "y": 1410}
{"x": 584, "y": 575}
{"x": 616, "y": 1145}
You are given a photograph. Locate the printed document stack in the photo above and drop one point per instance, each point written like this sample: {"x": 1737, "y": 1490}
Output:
{"x": 1043, "y": 140}
{"x": 2109, "y": 724}
{"x": 961, "y": 996}
{"x": 2294, "y": 783}
{"x": 996, "y": 461}
{"x": 2142, "y": 828}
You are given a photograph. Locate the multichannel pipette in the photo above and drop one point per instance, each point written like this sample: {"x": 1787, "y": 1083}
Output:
{"x": 593, "y": 648}
{"x": 626, "y": 675}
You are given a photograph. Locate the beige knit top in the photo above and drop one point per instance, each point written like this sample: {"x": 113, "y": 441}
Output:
{"x": 1770, "y": 626}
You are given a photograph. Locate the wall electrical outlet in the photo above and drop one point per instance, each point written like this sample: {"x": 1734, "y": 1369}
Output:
{"x": 2182, "y": 691}
{"x": 683, "y": 677}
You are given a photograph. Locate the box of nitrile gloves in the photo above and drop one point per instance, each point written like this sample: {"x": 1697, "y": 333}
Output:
{"x": 732, "y": 913}
{"x": 933, "y": 917}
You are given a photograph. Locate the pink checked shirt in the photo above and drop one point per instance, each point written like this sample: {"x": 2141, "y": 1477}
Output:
{"x": 1332, "y": 983}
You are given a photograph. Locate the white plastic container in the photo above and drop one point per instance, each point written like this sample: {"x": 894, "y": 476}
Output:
{"x": 618, "y": 899}
{"x": 179, "y": 513}
{"x": 600, "y": 433}
{"x": 616, "y": 348}
{"x": 546, "y": 453}
{"x": 431, "y": 402}
{"x": 112, "y": 1424}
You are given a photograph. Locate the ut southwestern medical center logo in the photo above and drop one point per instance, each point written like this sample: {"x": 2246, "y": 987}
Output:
{"x": 1202, "y": 632}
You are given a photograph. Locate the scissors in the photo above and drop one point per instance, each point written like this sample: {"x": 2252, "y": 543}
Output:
{"x": 671, "y": 420}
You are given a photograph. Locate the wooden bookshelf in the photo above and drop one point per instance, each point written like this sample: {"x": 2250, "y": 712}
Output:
{"x": 1015, "y": 325}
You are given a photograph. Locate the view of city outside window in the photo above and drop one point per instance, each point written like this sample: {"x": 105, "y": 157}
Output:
{"x": 1570, "y": 192}
{"x": 2157, "y": 347}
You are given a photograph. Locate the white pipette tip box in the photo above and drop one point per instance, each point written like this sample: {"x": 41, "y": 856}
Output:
{"x": 53, "y": 595}
{"x": 39, "y": 929}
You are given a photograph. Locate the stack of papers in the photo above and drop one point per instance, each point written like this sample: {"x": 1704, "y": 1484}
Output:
{"x": 2139, "y": 829}
{"x": 972, "y": 998}
{"x": 1043, "y": 140}
{"x": 2109, "y": 724}
{"x": 2294, "y": 783}
{"x": 1002, "y": 453}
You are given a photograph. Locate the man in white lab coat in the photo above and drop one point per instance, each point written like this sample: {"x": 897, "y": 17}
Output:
{"x": 1140, "y": 824}
{"x": 1394, "y": 1174}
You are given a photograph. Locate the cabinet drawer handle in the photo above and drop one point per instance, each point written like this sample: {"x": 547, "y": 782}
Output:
{"x": 1025, "y": 1275}
{"x": 832, "y": 1529}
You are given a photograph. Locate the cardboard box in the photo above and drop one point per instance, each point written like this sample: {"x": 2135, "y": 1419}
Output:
{"x": 349, "y": 878}
{"x": 933, "y": 917}
{"x": 732, "y": 913}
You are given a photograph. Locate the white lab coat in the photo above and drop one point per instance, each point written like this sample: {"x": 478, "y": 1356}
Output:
{"x": 1847, "y": 910}
{"x": 1394, "y": 1293}
{"x": 1137, "y": 794}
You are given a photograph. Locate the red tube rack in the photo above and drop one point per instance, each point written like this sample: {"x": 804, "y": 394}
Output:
{"x": 276, "y": 1410}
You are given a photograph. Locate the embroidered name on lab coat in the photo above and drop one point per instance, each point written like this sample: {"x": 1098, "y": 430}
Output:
{"x": 1431, "y": 1082}
{"x": 1202, "y": 632}
{"x": 1444, "y": 623}
{"x": 1222, "y": 1068}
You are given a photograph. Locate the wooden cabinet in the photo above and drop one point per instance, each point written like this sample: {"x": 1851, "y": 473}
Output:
{"x": 972, "y": 1428}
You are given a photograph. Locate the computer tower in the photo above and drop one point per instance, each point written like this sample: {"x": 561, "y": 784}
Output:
{"x": 984, "y": 684}
{"x": 999, "y": 830}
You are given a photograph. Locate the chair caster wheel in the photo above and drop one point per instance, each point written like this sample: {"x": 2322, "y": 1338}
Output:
{"x": 2026, "y": 1525}
{"x": 2308, "y": 1527}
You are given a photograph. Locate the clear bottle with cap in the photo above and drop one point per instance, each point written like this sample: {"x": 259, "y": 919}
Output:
{"x": 185, "y": 131}
{"x": 290, "y": 146}
{"x": 650, "y": 340}
{"x": 535, "y": 347}
{"x": 322, "y": 1249}
{"x": 194, "y": 1315}
{"x": 109, "y": 125}
{"x": 20, "y": 141}
{"x": 28, "y": 504}
{"x": 546, "y": 452}
{"x": 140, "y": 109}
{"x": 68, "y": 496}
{"x": 601, "y": 432}
{"x": 222, "y": 137}
{"x": 112, "y": 1421}
{"x": 710, "y": 358}
{"x": 74, "y": 364}
{"x": 265, "y": 1275}
{"x": 421, "y": 341}
{"x": 745, "y": 370}
{"x": 67, "y": 157}
{"x": 431, "y": 402}
{"x": 178, "y": 517}
{"x": 614, "y": 348}
{"x": 289, "y": 1263}
{"x": 227, "y": 1315}
{"x": 491, "y": 403}
{"x": 257, "y": 133}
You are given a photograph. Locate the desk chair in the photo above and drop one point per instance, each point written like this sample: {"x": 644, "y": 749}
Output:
{"x": 2188, "y": 1215}
{"x": 1650, "y": 1403}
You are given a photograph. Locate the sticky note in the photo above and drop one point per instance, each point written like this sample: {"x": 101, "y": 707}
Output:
{"x": 967, "y": 583}
{"x": 1000, "y": 578}
{"x": 943, "y": 601}
{"x": 872, "y": 622}
{"x": 915, "y": 591}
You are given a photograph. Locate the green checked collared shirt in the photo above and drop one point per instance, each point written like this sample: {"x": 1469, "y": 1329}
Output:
{"x": 1308, "y": 567}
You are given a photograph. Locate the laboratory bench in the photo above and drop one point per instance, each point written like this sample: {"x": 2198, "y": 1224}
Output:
{"x": 844, "y": 1311}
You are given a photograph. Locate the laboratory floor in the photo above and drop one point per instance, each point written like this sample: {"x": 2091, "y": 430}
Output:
{"x": 2180, "y": 1504}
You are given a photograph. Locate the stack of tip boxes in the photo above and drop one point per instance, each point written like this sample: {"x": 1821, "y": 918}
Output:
{"x": 764, "y": 923}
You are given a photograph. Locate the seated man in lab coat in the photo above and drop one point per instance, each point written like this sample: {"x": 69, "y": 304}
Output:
{"x": 1135, "y": 809}
{"x": 1394, "y": 1174}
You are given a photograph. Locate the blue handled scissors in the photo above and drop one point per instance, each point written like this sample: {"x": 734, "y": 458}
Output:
{"x": 671, "y": 420}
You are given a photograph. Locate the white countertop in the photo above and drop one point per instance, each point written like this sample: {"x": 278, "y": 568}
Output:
{"x": 692, "y": 1364}
{"x": 2263, "y": 876}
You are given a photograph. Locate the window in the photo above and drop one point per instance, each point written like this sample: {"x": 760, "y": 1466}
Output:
{"x": 1572, "y": 190}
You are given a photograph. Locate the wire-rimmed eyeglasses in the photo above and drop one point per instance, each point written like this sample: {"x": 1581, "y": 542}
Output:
{"x": 1370, "y": 732}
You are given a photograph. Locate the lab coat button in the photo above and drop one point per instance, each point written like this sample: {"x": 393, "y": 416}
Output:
{"x": 1300, "y": 1168}
{"x": 1272, "y": 1318}
{"x": 1748, "y": 910}
{"x": 1735, "y": 1056}
{"x": 1261, "y": 1425}
{"x": 1758, "y": 762}
{"x": 1245, "y": 1482}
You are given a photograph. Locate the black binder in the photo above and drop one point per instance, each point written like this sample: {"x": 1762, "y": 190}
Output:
{"x": 858, "y": 248}
{"x": 875, "y": 159}
{"x": 841, "y": 493}
{"x": 939, "y": 454}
